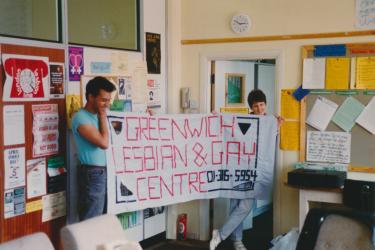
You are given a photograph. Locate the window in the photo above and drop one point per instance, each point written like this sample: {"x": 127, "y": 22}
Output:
{"x": 35, "y": 19}
{"x": 110, "y": 23}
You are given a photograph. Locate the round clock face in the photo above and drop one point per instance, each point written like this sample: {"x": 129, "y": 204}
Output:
{"x": 27, "y": 81}
{"x": 240, "y": 23}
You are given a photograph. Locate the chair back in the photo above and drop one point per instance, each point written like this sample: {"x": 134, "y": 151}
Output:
{"x": 36, "y": 241}
{"x": 341, "y": 228}
{"x": 92, "y": 233}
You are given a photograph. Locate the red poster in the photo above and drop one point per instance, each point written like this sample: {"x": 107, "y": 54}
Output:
{"x": 27, "y": 78}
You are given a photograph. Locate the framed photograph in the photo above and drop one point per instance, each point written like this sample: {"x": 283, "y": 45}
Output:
{"x": 235, "y": 88}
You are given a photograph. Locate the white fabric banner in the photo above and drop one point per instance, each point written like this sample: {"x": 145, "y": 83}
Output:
{"x": 160, "y": 160}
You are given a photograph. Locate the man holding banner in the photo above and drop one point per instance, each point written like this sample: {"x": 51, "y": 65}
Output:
{"x": 241, "y": 208}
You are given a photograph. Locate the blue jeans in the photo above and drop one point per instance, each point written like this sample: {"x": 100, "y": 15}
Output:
{"x": 92, "y": 191}
{"x": 239, "y": 210}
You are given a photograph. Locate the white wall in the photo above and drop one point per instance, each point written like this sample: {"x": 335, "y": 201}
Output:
{"x": 154, "y": 21}
{"x": 210, "y": 19}
{"x": 266, "y": 82}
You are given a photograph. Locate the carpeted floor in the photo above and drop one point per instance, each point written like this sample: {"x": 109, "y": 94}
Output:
{"x": 257, "y": 238}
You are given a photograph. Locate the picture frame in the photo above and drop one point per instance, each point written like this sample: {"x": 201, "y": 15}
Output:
{"x": 235, "y": 89}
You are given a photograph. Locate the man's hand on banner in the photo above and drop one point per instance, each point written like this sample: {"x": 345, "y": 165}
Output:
{"x": 150, "y": 111}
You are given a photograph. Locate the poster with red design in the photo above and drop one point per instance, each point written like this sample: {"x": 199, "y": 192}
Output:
{"x": 27, "y": 78}
{"x": 45, "y": 130}
{"x": 160, "y": 160}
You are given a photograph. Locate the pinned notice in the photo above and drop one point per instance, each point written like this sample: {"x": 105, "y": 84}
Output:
{"x": 314, "y": 73}
{"x": 338, "y": 72}
{"x": 367, "y": 118}
{"x": 290, "y": 107}
{"x": 365, "y": 73}
{"x": 347, "y": 113}
{"x": 14, "y": 124}
{"x": 331, "y": 147}
{"x": 321, "y": 113}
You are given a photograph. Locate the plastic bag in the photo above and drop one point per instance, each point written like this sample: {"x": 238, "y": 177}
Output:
{"x": 287, "y": 241}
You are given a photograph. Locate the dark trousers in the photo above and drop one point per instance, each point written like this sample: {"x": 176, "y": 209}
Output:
{"x": 92, "y": 191}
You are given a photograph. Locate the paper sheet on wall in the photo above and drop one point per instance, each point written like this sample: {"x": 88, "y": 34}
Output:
{"x": 124, "y": 87}
{"x": 73, "y": 104}
{"x": 14, "y": 202}
{"x": 139, "y": 88}
{"x": 290, "y": 107}
{"x": 45, "y": 129}
{"x": 331, "y": 147}
{"x": 347, "y": 113}
{"x": 153, "y": 93}
{"x": 337, "y": 73}
{"x": 365, "y": 14}
{"x": 14, "y": 167}
{"x": 26, "y": 78}
{"x": 353, "y": 63}
{"x": 367, "y": 118}
{"x": 314, "y": 73}
{"x": 34, "y": 206}
{"x": 14, "y": 124}
{"x": 321, "y": 113}
{"x": 36, "y": 177}
{"x": 57, "y": 80}
{"x": 289, "y": 135}
{"x": 54, "y": 206}
{"x": 120, "y": 63}
{"x": 365, "y": 72}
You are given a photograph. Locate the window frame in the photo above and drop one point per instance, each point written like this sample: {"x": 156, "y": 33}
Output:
{"x": 59, "y": 29}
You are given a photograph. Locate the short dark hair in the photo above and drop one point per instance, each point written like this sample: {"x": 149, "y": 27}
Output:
{"x": 256, "y": 95}
{"x": 96, "y": 84}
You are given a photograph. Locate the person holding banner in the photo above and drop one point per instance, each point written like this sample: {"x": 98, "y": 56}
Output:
{"x": 90, "y": 131}
{"x": 241, "y": 208}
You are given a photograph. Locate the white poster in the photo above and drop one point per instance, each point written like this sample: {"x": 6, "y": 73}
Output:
{"x": 321, "y": 113}
{"x": 365, "y": 14}
{"x": 36, "y": 177}
{"x": 8, "y": 203}
{"x": 314, "y": 72}
{"x": 27, "y": 78}
{"x": 153, "y": 93}
{"x": 139, "y": 83}
{"x": 45, "y": 129}
{"x": 367, "y": 118}
{"x": 14, "y": 125}
{"x": 124, "y": 87}
{"x": 333, "y": 147}
{"x": 159, "y": 160}
{"x": 14, "y": 202}
{"x": 54, "y": 206}
{"x": 14, "y": 167}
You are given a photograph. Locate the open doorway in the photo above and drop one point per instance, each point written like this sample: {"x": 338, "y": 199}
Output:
{"x": 255, "y": 74}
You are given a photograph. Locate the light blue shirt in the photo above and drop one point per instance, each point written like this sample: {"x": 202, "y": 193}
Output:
{"x": 88, "y": 153}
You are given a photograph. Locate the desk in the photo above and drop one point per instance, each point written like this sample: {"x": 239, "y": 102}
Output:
{"x": 318, "y": 195}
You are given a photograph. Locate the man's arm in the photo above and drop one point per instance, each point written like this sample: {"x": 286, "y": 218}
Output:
{"x": 97, "y": 137}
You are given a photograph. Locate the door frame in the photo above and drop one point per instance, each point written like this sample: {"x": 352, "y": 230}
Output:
{"x": 205, "y": 105}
